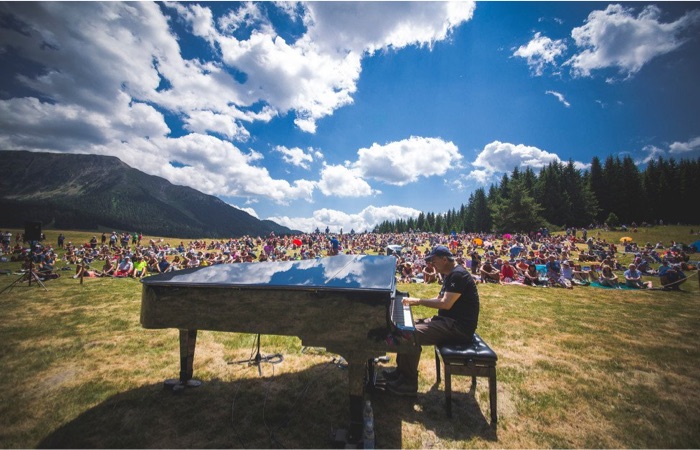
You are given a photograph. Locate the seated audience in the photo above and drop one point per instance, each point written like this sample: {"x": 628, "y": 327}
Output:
{"x": 125, "y": 268}
{"x": 429, "y": 273}
{"x": 633, "y": 278}
{"x": 671, "y": 276}
{"x": 608, "y": 277}
{"x": 554, "y": 273}
{"x": 489, "y": 274}
{"x": 531, "y": 276}
{"x": 507, "y": 272}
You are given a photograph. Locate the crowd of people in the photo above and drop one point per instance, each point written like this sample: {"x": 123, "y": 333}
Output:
{"x": 539, "y": 258}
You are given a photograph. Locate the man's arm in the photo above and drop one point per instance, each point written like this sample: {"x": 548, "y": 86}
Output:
{"x": 444, "y": 302}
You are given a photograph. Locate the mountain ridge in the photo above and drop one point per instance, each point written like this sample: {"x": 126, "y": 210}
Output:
{"x": 94, "y": 192}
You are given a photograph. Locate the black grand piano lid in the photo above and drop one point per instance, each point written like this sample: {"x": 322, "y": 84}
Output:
{"x": 356, "y": 272}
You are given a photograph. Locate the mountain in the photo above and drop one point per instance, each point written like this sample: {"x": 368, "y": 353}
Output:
{"x": 92, "y": 192}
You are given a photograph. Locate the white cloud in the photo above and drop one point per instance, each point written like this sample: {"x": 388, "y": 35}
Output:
{"x": 677, "y": 149}
{"x": 501, "y": 157}
{"x": 653, "y": 153}
{"x": 685, "y": 147}
{"x": 341, "y": 181}
{"x": 366, "y": 219}
{"x": 559, "y": 97}
{"x": 615, "y": 37}
{"x": 405, "y": 161}
{"x": 204, "y": 121}
{"x": 296, "y": 156}
{"x": 317, "y": 74}
{"x": 540, "y": 52}
{"x": 250, "y": 211}
{"x": 371, "y": 26}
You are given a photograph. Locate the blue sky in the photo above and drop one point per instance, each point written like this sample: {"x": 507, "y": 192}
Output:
{"x": 347, "y": 114}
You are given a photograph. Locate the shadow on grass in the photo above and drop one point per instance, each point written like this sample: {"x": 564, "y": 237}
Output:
{"x": 433, "y": 427}
{"x": 292, "y": 410}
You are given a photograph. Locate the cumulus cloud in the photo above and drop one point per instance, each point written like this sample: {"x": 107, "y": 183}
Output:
{"x": 249, "y": 210}
{"x": 209, "y": 121}
{"x": 405, "y": 161}
{"x": 501, "y": 157}
{"x": 559, "y": 97}
{"x": 371, "y": 26}
{"x": 540, "y": 52}
{"x": 653, "y": 152}
{"x": 335, "y": 220}
{"x": 616, "y": 37}
{"x": 682, "y": 148}
{"x": 296, "y": 156}
{"x": 317, "y": 73}
{"x": 688, "y": 149}
{"x": 341, "y": 181}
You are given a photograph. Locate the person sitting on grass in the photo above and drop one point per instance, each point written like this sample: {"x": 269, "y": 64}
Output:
{"x": 84, "y": 271}
{"x": 576, "y": 277}
{"x": 580, "y": 276}
{"x": 531, "y": 277}
{"x": 176, "y": 264}
{"x": 125, "y": 268}
{"x": 152, "y": 263}
{"x": 671, "y": 276}
{"x": 489, "y": 274}
{"x": 507, "y": 272}
{"x": 406, "y": 272}
{"x": 633, "y": 278}
{"x": 140, "y": 267}
{"x": 108, "y": 268}
{"x": 643, "y": 266}
{"x": 429, "y": 273}
{"x": 163, "y": 265}
{"x": 521, "y": 266}
{"x": 554, "y": 273}
{"x": 608, "y": 277}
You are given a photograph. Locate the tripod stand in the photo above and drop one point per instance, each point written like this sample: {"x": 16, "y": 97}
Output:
{"x": 258, "y": 359}
{"x": 27, "y": 276}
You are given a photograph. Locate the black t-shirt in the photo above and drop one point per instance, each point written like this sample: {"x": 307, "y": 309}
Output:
{"x": 466, "y": 309}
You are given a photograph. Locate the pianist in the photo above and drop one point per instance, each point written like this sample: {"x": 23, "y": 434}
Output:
{"x": 458, "y": 314}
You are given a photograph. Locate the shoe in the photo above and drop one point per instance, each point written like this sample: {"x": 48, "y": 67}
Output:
{"x": 390, "y": 375}
{"x": 402, "y": 387}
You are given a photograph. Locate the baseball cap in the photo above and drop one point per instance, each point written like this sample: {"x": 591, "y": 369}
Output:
{"x": 440, "y": 250}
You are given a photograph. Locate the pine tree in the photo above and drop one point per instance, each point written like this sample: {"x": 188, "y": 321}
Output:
{"x": 596, "y": 185}
{"x": 517, "y": 211}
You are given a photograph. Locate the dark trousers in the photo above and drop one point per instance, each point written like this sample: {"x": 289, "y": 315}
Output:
{"x": 438, "y": 330}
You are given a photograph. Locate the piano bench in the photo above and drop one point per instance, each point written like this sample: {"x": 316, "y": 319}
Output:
{"x": 475, "y": 360}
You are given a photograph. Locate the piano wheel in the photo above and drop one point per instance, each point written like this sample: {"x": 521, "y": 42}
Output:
{"x": 174, "y": 384}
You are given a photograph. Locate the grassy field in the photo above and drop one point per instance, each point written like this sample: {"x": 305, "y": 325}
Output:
{"x": 589, "y": 368}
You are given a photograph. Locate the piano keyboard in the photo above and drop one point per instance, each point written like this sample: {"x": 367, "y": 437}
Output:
{"x": 401, "y": 314}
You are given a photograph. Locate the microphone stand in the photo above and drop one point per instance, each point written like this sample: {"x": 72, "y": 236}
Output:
{"x": 258, "y": 359}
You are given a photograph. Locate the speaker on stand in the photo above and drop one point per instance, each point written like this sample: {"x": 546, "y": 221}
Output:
{"x": 32, "y": 234}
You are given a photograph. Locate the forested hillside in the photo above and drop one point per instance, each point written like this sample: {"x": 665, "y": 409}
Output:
{"x": 91, "y": 192}
{"x": 616, "y": 192}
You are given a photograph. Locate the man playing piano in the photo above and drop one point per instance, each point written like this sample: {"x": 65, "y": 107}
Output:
{"x": 458, "y": 314}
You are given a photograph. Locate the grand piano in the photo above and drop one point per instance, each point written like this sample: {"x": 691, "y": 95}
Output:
{"x": 347, "y": 304}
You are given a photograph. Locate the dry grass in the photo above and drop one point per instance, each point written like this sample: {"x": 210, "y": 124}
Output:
{"x": 589, "y": 368}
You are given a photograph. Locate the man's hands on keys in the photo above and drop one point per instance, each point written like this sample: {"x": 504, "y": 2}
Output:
{"x": 409, "y": 301}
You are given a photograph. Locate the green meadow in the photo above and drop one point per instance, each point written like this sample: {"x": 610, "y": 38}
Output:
{"x": 586, "y": 368}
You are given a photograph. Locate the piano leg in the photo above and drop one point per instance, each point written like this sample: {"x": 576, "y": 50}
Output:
{"x": 188, "y": 342}
{"x": 352, "y": 437}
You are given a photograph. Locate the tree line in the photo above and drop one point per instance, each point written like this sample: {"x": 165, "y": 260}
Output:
{"x": 614, "y": 192}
